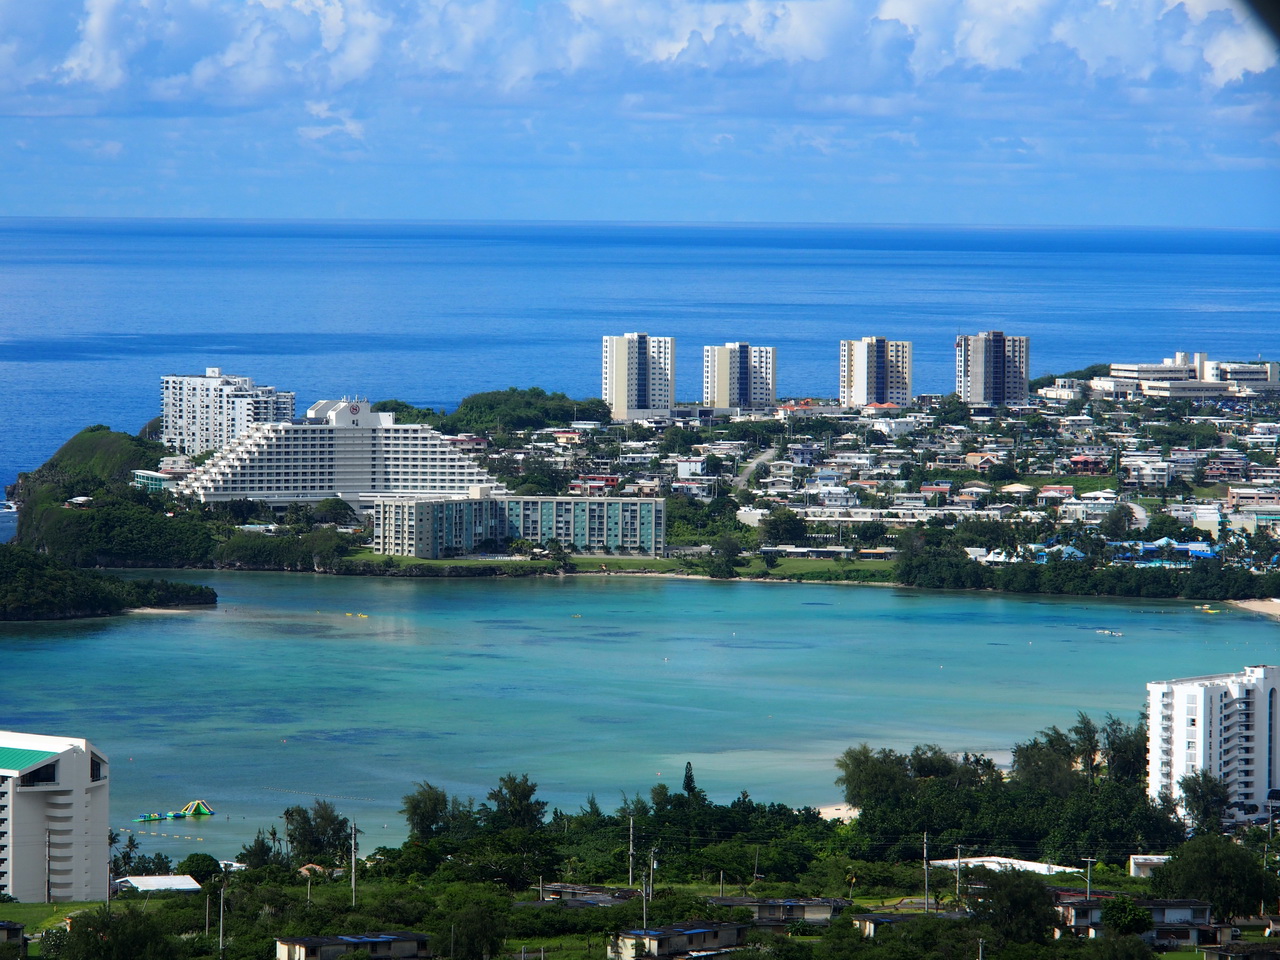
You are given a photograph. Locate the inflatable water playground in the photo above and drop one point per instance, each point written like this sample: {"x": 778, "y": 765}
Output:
{"x": 196, "y": 808}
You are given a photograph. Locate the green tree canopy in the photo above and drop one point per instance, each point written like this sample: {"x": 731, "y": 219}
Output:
{"x": 1214, "y": 868}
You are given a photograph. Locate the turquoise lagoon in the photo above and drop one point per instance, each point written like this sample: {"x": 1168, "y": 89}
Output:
{"x": 597, "y": 685}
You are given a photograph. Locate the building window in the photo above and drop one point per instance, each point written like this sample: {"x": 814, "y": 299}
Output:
{"x": 46, "y": 774}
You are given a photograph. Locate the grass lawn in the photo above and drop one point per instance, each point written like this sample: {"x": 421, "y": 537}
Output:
{"x": 1081, "y": 484}
{"x": 365, "y": 553}
{"x": 42, "y": 916}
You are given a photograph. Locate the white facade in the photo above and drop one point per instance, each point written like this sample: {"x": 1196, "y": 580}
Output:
{"x": 342, "y": 449}
{"x": 54, "y": 796}
{"x": 638, "y": 375}
{"x": 1225, "y": 724}
{"x": 991, "y": 369}
{"x": 875, "y": 370}
{"x": 208, "y": 412}
{"x": 739, "y": 375}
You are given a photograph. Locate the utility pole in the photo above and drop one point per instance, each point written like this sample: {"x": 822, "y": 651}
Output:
{"x": 353, "y": 863}
{"x": 222, "y": 906}
{"x": 48, "y": 867}
{"x": 926, "y": 871}
{"x": 981, "y": 943}
{"x": 1088, "y": 876}
{"x": 957, "y": 875}
{"x": 631, "y": 854}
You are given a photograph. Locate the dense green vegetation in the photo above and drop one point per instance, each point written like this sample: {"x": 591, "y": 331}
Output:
{"x": 35, "y": 587}
{"x": 933, "y": 557}
{"x": 1070, "y": 794}
{"x": 465, "y": 865}
{"x": 1087, "y": 373}
{"x": 502, "y": 411}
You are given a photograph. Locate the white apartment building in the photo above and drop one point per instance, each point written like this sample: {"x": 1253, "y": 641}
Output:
{"x": 991, "y": 369}
{"x": 738, "y": 376}
{"x": 208, "y": 412}
{"x": 875, "y": 370}
{"x": 638, "y": 375}
{"x": 54, "y": 796}
{"x": 1224, "y": 723}
{"x": 342, "y": 449}
{"x": 439, "y": 527}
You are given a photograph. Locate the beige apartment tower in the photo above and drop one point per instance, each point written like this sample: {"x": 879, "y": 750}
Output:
{"x": 638, "y": 375}
{"x": 875, "y": 370}
{"x": 991, "y": 369}
{"x": 739, "y": 375}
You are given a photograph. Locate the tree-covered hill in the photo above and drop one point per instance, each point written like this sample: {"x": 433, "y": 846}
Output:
{"x": 35, "y": 587}
{"x": 502, "y": 411}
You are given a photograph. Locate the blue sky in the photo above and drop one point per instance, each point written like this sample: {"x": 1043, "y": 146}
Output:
{"x": 898, "y": 111}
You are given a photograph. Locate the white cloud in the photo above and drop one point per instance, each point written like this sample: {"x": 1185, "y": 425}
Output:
{"x": 343, "y": 123}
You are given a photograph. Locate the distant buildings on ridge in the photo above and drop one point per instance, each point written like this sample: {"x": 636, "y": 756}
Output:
{"x": 638, "y": 373}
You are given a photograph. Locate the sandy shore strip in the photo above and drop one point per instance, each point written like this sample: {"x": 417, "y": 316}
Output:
{"x": 1269, "y": 608}
{"x": 158, "y": 610}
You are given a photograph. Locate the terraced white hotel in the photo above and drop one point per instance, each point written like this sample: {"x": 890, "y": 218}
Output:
{"x": 342, "y": 449}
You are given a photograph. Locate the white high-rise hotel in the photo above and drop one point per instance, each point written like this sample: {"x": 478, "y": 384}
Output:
{"x": 739, "y": 375}
{"x": 1224, "y": 724}
{"x": 638, "y": 374}
{"x": 208, "y": 412}
{"x": 991, "y": 369}
{"x": 875, "y": 370}
{"x": 54, "y": 799}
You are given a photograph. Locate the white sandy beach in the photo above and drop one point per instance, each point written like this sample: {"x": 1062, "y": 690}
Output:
{"x": 1270, "y": 608}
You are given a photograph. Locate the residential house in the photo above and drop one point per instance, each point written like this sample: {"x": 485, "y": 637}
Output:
{"x": 778, "y": 913}
{"x": 394, "y": 946}
{"x": 1175, "y": 923}
{"x": 706, "y": 940}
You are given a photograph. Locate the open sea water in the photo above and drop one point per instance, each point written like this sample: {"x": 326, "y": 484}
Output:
{"x": 94, "y": 312}
{"x": 591, "y": 686}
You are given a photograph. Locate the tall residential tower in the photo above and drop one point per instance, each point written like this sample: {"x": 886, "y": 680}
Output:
{"x": 638, "y": 374}
{"x": 207, "y": 412}
{"x": 991, "y": 369}
{"x": 875, "y": 370}
{"x": 738, "y": 375}
{"x": 1224, "y": 724}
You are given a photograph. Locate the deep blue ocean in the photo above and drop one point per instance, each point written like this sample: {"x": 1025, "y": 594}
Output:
{"x": 94, "y": 312}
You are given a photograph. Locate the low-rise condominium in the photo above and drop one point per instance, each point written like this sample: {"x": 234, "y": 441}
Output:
{"x": 438, "y": 527}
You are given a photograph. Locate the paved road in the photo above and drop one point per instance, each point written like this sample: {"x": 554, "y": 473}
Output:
{"x": 740, "y": 481}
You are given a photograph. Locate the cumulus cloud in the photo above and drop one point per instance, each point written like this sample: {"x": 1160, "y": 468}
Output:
{"x": 250, "y": 52}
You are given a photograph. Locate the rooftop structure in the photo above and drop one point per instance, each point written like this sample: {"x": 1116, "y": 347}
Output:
{"x": 53, "y": 819}
{"x": 206, "y": 412}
